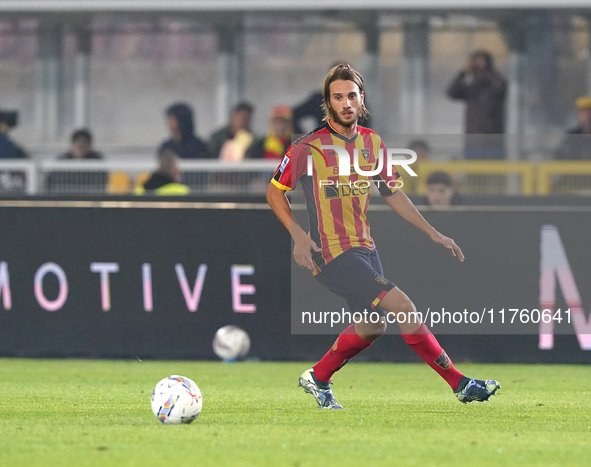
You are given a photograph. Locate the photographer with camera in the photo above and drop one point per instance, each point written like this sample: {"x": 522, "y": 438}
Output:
{"x": 8, "y": 148}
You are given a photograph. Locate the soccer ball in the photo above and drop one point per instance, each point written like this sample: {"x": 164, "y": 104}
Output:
{"x": 176, "y": 400}
{"x": 231, "y": 342}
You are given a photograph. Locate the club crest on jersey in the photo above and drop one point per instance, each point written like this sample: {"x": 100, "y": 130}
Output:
{"x": 381, "y": 280}
{"x": 365, "y": 154}
{"x": 283, "y": 163}
{"x": 443, "y": 361}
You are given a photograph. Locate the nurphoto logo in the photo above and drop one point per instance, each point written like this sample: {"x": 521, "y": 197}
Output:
{"x": 388, "y": 161}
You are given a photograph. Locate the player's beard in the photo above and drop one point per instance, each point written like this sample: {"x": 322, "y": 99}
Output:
{"x": 336, "y": 118}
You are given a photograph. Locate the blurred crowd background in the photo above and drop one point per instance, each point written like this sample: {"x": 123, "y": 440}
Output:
{"x": 490, "y": 95}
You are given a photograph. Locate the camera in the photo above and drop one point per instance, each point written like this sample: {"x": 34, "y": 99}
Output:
{"x": 9, "y": 118}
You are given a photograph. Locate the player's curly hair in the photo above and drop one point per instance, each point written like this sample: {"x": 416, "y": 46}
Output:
{"x": 345, "y": 72}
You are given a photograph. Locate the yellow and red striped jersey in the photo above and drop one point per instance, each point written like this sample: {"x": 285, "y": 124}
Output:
{"x": 336, "y": 204}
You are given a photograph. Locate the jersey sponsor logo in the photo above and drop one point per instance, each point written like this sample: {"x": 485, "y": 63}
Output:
{"x": 338, "y": 191}
{"x": 367, "y": 168}
{"x": 331, "y": 191}
{"x": 443, "y": 361}
{"x": 381, "y": 280}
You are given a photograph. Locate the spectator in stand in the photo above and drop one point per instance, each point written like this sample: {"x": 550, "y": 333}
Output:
{"x": 183, "y": 141}
{"x": 166, "y": 180}
{"x": 231, "y": 142}
{"x": 440, "y": 191}
{"x": 81, "y": 146}
{"x": 10, "y": 181}
{"x": 80, "y": 149}
{"x": 484, "y": 90}
{"x": 8, "y": 148}
{"x": 576, "y": 145}
{"x": 274, "y": 145}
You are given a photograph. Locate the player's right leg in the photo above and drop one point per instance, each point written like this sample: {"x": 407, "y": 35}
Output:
{"x": 354, "y": 339}
{"x": 321, "y": 392}
{"x": 352, "y": 277}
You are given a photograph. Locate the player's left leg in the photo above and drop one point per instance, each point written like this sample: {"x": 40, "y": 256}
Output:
{"x": 424, "y": 343}
{"x": 418, "y": 336}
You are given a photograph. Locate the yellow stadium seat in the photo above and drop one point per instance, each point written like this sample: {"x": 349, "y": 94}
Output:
{"x": 119, "y": 183}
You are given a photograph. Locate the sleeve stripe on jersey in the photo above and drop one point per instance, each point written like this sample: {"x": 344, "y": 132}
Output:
{"x": 280, "y": 186}
{"x": 380, "y": 297}
{"x": 383, "y": 188}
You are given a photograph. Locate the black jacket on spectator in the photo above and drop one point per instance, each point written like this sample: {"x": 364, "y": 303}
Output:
{"x": 190, "y": 146}
{"x": 157, "y": 180}
{"x": 311, "y": 107}
{"x": 10, "y": 150}
{"x": 485, "y": 101}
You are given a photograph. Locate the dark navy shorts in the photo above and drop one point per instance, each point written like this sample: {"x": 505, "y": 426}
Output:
{"x": 357, "y": 276}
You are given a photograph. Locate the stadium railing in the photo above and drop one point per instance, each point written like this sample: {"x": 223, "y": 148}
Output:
{"x": 481, "y": 177}
{"x": 119, "y": 177}
{"x": 18, "y": 177}
{"x": 560, "y": 177}
{"x": 252, "y": 177}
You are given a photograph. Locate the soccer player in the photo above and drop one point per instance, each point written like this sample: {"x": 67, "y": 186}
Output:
{"x": 339, "y": 250}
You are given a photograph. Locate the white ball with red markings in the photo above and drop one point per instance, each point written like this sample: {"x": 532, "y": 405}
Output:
{"x": 176, "y": 400}
{"x": 231, "y": 343}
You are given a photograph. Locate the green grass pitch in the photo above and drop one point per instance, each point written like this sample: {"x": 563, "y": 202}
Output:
{"x": 87, "y": 412}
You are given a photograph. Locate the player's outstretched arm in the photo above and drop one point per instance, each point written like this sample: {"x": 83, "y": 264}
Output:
{"x": 404, "y": 207}
{"x": 303, "y": 244}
